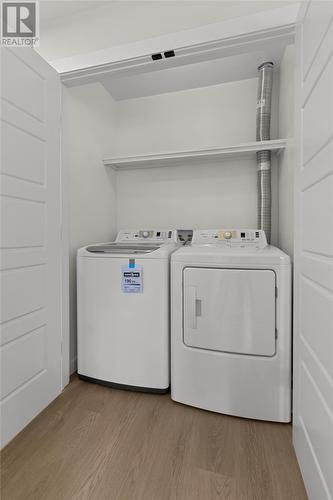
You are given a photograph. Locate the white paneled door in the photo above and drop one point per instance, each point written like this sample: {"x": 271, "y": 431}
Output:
{"x": 31, "y": 333}
{"x": 313, "y": 319}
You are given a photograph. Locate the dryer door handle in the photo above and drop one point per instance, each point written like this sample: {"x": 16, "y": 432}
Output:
{"x": 194, "y": 307}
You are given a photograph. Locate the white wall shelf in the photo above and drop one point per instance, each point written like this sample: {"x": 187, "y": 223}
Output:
{"x": 179, "y": 157}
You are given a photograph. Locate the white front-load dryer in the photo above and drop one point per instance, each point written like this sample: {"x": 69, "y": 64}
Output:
{"x": 231, "y": 325}
{"x": 123, "y": 310}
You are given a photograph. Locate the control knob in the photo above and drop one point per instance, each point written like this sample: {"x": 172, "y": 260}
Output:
{"x": 145, "y": 234}
{"x": 227, "y": 235}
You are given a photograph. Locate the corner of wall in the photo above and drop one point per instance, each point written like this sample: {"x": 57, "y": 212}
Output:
{"x": 73, "y": 365}
{"x": 286, "y": 159}
{"x": 89, "y": 131}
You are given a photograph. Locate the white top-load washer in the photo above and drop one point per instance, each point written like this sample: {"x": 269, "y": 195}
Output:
{"x": 231, "y": 325}
{"x": 123, "y": 310}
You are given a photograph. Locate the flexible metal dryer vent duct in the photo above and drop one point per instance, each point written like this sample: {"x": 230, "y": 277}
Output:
{"x": 264, "y": 157}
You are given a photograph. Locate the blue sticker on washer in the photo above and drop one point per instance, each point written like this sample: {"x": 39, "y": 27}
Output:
{"x": 131, "y": 279}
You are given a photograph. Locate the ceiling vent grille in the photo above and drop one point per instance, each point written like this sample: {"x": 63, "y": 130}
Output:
{"x": 159, "y": 55}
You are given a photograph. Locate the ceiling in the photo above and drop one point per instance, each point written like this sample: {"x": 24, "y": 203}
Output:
{"x": 172, "y": 74}
{"x": 110, "y": 23}
{"x": 219, "y": 9}
{"x": 51, "y": 9}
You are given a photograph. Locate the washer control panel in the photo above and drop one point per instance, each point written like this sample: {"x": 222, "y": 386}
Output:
{"x": 148, "y": 235}
{"x": 230, "y": 237}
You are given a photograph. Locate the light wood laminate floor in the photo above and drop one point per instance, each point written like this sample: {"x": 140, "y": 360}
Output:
{"x": 97, "y": 443}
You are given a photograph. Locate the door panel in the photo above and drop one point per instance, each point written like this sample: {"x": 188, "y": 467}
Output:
{"x": 27, "y": 160}
{"x": 25, "y": 291}
{"x": 315, "y": 24}
{"x": 24, "y": 84}
{"x": 31, "y": 334}
{"x": 230, "y": 310}
{"x": 24, "y": 224}
{"x": 318, "y": 110}
{"x": 313, "y": 292}
{"x": 30, "y": 349}
{"x": 317, "y": 233}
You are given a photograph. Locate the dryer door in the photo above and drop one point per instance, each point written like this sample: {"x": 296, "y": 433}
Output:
{"x": 230, "y": 310}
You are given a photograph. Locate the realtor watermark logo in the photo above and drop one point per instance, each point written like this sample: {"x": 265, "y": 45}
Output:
{"x": 19, "y": 24}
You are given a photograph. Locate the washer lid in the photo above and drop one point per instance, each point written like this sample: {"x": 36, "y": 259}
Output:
{"x": 122, "y": 248}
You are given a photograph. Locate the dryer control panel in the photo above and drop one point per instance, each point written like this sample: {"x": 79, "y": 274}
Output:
{"x": 148, "y": 235}
{"x": 230, "y": 237}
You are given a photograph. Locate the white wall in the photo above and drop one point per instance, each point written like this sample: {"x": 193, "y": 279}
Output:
{"x": 88, "y": 129}
{"x": 204, "y": 194}
{"x": 209, "y": 194}
{"x": 222, "y": 194}
{"x": 119, "y": 22}
{"x": 287, "y": 158}
{"x": 189, "y": 119}
{"x": 189, "y": 196}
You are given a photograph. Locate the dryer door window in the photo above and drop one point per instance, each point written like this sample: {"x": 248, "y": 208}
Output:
{"x": 230, "y": 310}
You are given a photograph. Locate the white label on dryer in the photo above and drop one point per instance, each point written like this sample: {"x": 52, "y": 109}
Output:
{"x": 131, "y": 279}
